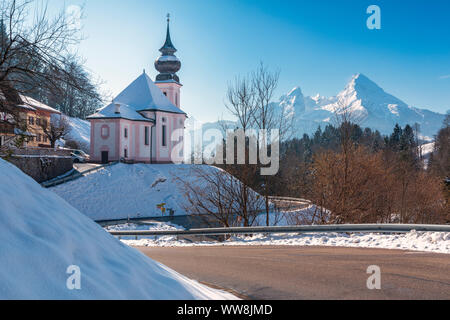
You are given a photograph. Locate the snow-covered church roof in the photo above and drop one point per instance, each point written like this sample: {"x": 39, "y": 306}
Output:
{"x": 141, "y": 95}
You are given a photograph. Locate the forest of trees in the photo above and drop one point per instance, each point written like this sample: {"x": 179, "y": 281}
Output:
{"x": 367, "y": 178}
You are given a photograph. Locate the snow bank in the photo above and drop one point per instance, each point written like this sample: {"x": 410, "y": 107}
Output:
{"x": 41, "y": 236}
{"x": 130, "y": 191}
{"x": 154, "y": 226}
{"x": 438, "y": 242}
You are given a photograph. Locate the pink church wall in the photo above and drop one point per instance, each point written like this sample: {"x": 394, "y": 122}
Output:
{"x": 115, "y": 142}
{"x": 173, "y": 122}
{"x": 104, "y": 142}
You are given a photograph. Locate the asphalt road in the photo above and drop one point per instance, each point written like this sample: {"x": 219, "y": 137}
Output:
{"x": 269, "y": 272}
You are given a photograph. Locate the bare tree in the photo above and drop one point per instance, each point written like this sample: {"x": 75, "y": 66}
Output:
{"x": 56, "y": 129}
{"x": 217, "y": 196}
{"x": 241, "y": 101}
{"x": 268, "y": 116}
{"x": 36, "y": 46}
{"x": 362, "y": 198}
{"x": 34, "y": 51}
{"x": 78, "y": 96}
{"x": 345, "y": 120}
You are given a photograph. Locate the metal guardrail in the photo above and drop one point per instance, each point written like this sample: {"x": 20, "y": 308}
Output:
{"x": 289, "y": 199}
{"x": 74, "y": 176}
{"x": 364, "y": 228}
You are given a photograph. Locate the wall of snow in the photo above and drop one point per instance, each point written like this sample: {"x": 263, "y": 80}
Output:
{"x": 41, "y": 235}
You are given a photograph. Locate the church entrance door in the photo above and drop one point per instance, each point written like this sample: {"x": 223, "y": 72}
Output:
{"x": 105, "y": 156}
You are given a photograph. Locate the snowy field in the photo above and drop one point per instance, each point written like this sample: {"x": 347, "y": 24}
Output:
{"x": 438, "y": 242}
{"x": 126, "y": 191}
{"x": 41, "y": 236}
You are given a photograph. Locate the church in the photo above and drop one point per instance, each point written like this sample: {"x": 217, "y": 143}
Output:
{"x": 144, "y": 123}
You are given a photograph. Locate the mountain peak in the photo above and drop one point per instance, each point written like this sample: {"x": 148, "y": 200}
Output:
{"x": 362, "y": 84}
{"x": 296, "y": 91}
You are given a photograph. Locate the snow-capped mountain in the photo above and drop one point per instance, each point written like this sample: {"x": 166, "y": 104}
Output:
{"x": 367, "y": 103}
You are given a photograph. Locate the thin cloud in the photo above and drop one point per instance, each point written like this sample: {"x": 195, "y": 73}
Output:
{"x": 447, "y": 76}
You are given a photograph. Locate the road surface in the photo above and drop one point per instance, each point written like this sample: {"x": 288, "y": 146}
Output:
{"x": 269, "y": 272}
{"x": 82, "y": 167}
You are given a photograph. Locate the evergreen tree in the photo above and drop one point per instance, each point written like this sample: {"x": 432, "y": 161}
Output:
{"x": 394, "y": 139}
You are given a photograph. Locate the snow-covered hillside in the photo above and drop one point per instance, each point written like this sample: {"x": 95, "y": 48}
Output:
{"x": 41, "y": 235}
{"x": 130, "y": 191}
{"x": 368, "y": 104}
{"x": 79, "y": 131}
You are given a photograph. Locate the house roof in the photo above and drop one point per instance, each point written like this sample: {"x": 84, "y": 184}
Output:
{"x": 32, "y": 104}
{"x": 25, "y": 102}
{"x": 141, "y": 95}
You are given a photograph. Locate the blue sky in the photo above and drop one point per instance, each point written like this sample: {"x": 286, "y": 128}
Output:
{"x": 317, "y": 45}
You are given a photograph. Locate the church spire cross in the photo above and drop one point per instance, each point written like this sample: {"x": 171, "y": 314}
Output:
{"x": 168, "y": 48}
{"x": 168, "y": 64}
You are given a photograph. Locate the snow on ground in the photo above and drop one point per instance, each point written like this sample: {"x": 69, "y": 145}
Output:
{"x": 41, "y": 235}
{"x": 126, "y": 191}
{"x": 426, "y": 150}
{"x": 154, "y": 226}
{"x": 438, "y": 242}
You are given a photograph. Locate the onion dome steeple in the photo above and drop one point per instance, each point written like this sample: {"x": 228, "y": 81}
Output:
{"x": 168, "y": 64}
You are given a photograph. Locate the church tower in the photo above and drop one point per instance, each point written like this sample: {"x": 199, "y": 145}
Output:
{"x": 168, "y": 65}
